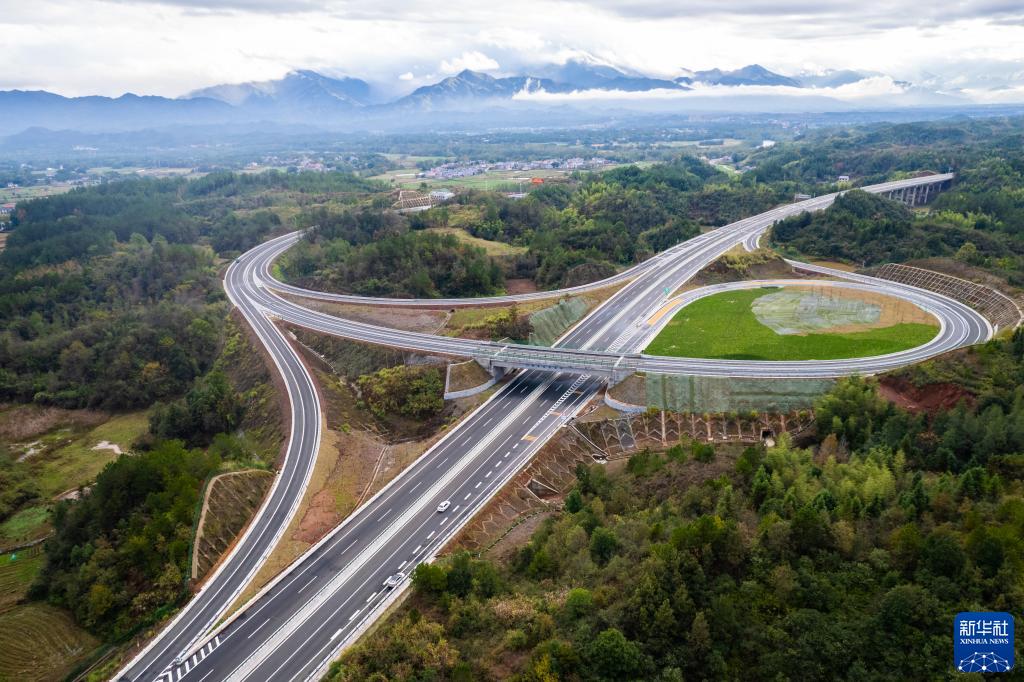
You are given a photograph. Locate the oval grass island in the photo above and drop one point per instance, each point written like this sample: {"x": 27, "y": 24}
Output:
{"x": 803, "y": 322}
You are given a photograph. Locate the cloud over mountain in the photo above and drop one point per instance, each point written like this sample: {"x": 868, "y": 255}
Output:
{"x": 312, "y": 98}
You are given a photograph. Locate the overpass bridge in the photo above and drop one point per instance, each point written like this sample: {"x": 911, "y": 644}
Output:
{"x": 304, "y": 617}
{"x": 612, "y": 366}
{"x": 918, "y": 193}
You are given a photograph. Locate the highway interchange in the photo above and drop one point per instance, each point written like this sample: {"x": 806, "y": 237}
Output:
{"x": 302, "y": 619}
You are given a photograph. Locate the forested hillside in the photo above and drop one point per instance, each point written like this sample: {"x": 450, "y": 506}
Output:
{"x": 120, "y": 555}
{"x": 109, "y": 295}
{"x": 869, "y": 229}
{"x": 396, "y": 264}
{"x": 980, "y": 220}
{"x": 110, "y": 299}
{"x": 573, "y": 232}
{"x": 842, "y": 558}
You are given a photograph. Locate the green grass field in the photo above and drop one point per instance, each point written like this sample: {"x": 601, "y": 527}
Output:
{"x": 492, "y": 248}
{"x": 723, "y": 326}
{"x": 25, "y": 525}
{"x": 77, "y": 463}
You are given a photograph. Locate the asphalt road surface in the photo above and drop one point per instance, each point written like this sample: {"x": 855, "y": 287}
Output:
{"x": 324, "y": 600}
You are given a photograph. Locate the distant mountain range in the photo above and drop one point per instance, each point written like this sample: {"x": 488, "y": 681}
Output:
{"x": 754, "y": 74}
{"x": 305, "y": 91}
{"x": 308, "y": 97}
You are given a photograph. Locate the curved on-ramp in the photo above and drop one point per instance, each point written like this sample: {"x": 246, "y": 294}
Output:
{"x": 612, "y": 326}
{"x": 959, "y": 325}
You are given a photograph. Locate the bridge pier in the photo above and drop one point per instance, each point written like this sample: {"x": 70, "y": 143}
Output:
{"x": 918, "y": 195}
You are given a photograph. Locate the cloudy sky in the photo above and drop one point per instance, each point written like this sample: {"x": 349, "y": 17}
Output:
{"x": 169, "y": 47}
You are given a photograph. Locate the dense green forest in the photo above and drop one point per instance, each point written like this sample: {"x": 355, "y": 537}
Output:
{"x": 868, "y": 229}
{"x": 120, "y": 555}
{"x": 411, "y": 391}
{"x": 572, "y": 232}
{"x": 109, "y": 295}
{"x": 110, "y": 298}
{"x": 403, "y": 264}
{"x": 980, "y": 220}
{"x": 843, "y": 558}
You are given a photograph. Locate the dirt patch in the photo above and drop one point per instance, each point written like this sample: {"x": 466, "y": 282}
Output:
{"x": 835, "y": 265}
{"x": 466, "y": 375}
{"x": 596, "y": 412}
{"x": 355, "y": 456}
{"x": 107, "y": 445}
{"x": 891, "y": 310}
{"x": 505, "y": 549}
{"x": 408, "y": 319}
{"x": 28, "y": 421}
{"x": 930, "y": 398}
{"x": 520, "y": 286}
{"x": 632, "y": 390}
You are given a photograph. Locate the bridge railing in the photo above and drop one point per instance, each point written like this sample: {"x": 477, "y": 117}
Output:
{"x": 531, "y": 357}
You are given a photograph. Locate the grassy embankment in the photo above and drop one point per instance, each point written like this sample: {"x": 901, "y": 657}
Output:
{"x": 492, "y": 248}
{"x": 723, "y": 326}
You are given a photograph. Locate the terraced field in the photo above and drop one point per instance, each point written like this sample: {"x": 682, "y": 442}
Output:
{"x": 37, "y": 642}
{"x": 40, "y": 643}
{"x": 17, "y": 571}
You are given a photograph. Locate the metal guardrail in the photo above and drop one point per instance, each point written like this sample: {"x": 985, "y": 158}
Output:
{"x": 531, "y": 357}
{"x": 1001, "y": 310}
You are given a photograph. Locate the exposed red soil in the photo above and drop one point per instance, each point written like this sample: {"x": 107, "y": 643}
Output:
{"x": 318, "y": 519}
{"x": 931, "y": 398}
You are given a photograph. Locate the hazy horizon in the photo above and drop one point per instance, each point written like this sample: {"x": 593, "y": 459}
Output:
{"x": 170, "y": 48}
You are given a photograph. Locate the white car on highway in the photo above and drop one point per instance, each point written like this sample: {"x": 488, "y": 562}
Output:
{"x": 443, "y": 507}
{"x": 394, "y": 580}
